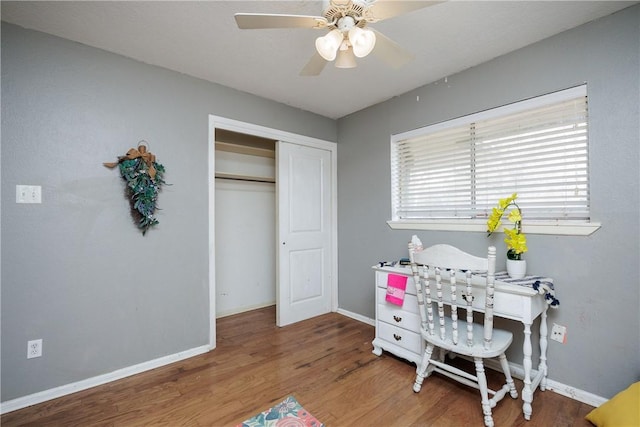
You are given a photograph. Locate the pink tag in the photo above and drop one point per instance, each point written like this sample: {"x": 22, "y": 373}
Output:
{"x": 396, "y": 287}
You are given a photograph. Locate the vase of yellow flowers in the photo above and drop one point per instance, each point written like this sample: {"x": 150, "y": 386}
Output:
{"x": 516, "y": 241}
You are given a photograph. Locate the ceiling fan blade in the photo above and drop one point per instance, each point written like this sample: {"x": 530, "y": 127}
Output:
{"x": 250, "y": 21}
{"x": 315, "y": 66}
{"x": 385, "y": 9}
{"x": 390, "y": 52}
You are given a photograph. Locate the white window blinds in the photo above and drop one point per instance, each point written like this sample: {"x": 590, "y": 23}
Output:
{"x": 537, "y": 148}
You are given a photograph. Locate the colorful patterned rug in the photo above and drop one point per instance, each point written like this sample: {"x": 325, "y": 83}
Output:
{"x": 288, "y": 413}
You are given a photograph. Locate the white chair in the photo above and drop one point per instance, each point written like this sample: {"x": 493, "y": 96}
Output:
{"x": 432, "y": 266}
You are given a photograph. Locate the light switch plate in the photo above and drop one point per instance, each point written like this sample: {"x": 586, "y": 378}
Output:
{"x": 28, "y": 194}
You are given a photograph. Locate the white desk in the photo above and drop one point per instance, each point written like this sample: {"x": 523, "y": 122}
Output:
{"x": 398, "y": 328}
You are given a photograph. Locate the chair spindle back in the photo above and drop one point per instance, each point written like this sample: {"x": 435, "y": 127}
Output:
{"x": 429, "y": 266}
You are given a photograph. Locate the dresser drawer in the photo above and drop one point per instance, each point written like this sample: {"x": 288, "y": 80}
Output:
{"x": 409, "y": 305}
{"x": 504, "y": 304}
{"x": 479, "y": 295}
{"x": 396, "y": 316}
{"x": 400, "y": 337}
{"x": 382, "y": 277}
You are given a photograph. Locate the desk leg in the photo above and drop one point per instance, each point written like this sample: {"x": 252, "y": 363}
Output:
{"x": 543, "y": 350}
{"x": 527, "y": 393}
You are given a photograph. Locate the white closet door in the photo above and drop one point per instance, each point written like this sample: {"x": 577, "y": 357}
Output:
{"x": 304, "y": 231}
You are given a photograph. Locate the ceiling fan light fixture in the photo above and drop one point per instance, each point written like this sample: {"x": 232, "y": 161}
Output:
{"x": 362, "y": 40}
{"x": 346, "y": 59}
{"x": 327, "y": 46}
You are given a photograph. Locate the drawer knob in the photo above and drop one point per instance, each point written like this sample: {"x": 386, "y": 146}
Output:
{"x": 397, "y": 318}
{"x": 465, "y": 297}
{"x": 397, "y": 337}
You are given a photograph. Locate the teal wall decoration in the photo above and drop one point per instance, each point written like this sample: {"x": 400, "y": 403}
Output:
{"x": 144, "y": 178}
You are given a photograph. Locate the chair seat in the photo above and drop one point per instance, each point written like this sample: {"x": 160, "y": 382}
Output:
{"x": 501, "y": 340}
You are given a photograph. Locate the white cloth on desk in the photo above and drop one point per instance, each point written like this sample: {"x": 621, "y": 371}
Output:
{"x": 543, "y": 285}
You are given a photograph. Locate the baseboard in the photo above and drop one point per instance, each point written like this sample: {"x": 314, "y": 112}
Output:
{"x": 517, "y": 371}
{"x": 576, "y": 394}
{"x": 43, "y": 396}
{"x": 221, "y": 314}
{"x": 357, "y": 317}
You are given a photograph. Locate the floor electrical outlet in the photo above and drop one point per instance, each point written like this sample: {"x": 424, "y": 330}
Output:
{"x": 34, "y": 348}
{"x": 559, "y": 333}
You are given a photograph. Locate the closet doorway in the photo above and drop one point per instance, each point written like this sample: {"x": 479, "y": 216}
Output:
{"x": 245, "y": 220}
{"x": 304, "y": 214}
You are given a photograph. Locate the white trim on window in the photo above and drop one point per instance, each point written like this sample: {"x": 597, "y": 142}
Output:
{"x": 557, "y": 228}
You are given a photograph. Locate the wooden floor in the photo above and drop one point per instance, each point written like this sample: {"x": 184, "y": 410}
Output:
{"x": 326, "y": 363}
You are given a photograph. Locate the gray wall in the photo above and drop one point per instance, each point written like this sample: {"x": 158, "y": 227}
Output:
{"x": 597, "y": 277}
{"x": 75, "y": 270}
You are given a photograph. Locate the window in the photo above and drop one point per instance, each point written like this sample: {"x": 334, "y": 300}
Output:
{"x": 454, "y": 172}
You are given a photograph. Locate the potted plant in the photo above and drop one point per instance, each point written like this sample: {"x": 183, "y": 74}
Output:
{"x": 516, "y": 241}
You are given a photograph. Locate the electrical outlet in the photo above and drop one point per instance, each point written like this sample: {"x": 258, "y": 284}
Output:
{"x": 34, "y": 348}
{"x": 559, "y": 333}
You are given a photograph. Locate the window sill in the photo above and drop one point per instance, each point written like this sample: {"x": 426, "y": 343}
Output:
{"x": 558, "y": 228}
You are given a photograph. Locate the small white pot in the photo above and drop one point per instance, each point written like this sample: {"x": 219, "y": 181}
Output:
{"x": 517, "y": 269}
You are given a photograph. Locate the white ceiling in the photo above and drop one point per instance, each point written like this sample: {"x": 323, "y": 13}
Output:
{"x": 201, "y": 39}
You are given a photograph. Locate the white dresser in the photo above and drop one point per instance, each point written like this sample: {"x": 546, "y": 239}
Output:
{"x": 397, "y": 327}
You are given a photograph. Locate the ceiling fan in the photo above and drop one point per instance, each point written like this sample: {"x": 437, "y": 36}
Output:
{"x": 349, "y": 34}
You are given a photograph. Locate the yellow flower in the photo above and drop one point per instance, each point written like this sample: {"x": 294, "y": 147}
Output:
{"x": 510, "y": 232}
{"x": 515, "y": 241}
{"x": 514, "y": 216}
{"x": 503, "y": 203}
{"x": 494, "y": 220}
